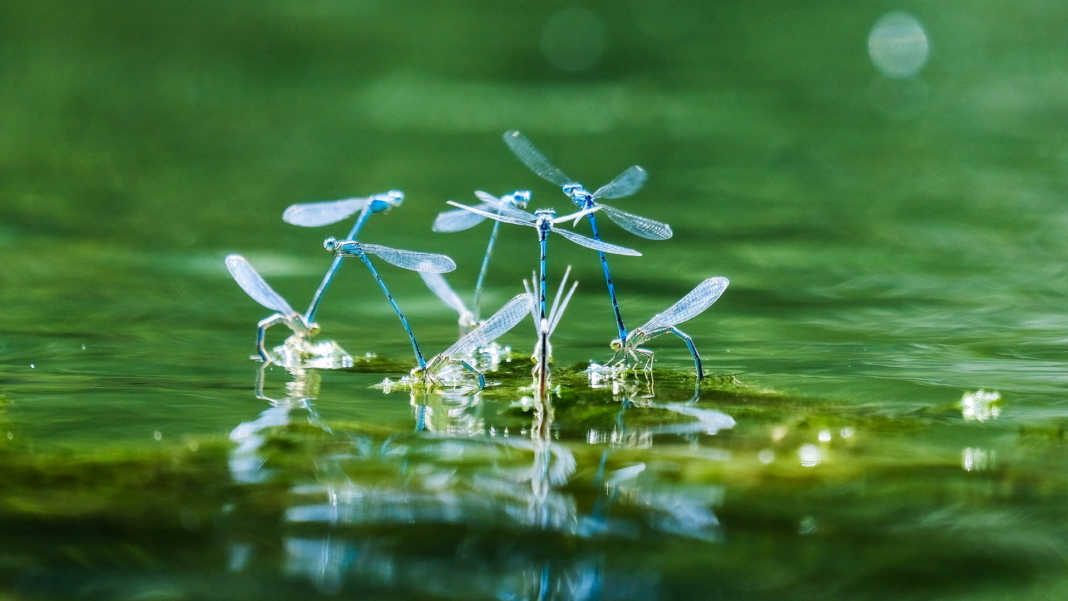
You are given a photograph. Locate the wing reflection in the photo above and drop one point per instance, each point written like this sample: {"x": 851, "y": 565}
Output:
{"x": 437, "y": 510}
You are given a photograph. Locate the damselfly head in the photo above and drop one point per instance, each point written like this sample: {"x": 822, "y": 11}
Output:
{"x": 382, "y": 203}
{"x": 330, "y": 244}
{"x": 616, "y": 345}
{"x": 520, "y": 198}
{"x": 578, "y": 194}
{"x": 313, "y": 329}
{"x": 545, "y": 217}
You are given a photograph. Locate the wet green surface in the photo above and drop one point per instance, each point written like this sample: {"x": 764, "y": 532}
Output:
{"x": 892, "y": 245}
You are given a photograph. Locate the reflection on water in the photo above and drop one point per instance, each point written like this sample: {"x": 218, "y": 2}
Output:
{"x": 492, "y": 475}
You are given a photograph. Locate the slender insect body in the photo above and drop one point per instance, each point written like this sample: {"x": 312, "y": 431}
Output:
{"x": 256, "y": 287}
{"x": 625, "y": 184}
{"x": 693, "y": 304}
{"x": 493, "y": 328}
{"x": 405, "y": 259}
{"x": 315, "y": 214}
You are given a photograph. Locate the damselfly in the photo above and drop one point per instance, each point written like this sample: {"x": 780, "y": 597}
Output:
{"x": 688, "y": 307}
{"x": 405, "y": 259}
{"x": 625, "y": 184}
{"x": 493, "y": 328}
{"x": 255, "y": 286}
{"x": 315, "y": 214}
{"x": 544, "y": 326}
{"x": 545, "y": 220}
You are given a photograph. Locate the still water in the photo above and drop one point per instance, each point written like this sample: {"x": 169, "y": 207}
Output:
{"x": 884, "y": 184}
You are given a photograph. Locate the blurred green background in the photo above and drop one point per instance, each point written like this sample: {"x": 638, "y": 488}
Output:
{"x": 894, "y": 238}
{"x": 880, "y": 233}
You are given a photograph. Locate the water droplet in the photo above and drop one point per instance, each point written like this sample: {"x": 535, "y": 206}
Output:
{"x": 158, "y": 435}
{"x": 825, "y": 436}
{"x": 766, "y": 456}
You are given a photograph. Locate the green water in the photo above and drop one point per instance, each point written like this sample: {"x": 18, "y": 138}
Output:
{"x": 892, "y": 246}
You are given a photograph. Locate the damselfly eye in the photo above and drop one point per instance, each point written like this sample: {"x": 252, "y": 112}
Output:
{"x": 330, "y": 243}
{"x": 521, "y": 198}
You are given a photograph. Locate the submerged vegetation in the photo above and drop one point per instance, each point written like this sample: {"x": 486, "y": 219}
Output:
{"x": 589, "y": 484}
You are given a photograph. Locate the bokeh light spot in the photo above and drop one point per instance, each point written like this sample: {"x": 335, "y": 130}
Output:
{"x": 898, "y": 45}
{"x": 573, "y": 39}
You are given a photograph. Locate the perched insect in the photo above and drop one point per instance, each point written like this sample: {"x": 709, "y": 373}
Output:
{"x": 545, "y": 220}
{"x": 688, "y": 307}
{"x": 255, "y": 286}
{"x": 405, "y": 259}
{"x": 625, "y": 184}
{"x": 493, "y": 328}
{"x": 545, "y": 325}
{"x": 315, "y": 214}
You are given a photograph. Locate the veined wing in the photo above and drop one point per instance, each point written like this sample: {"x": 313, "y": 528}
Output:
{"x": 513, "y": 216}
{"x": 459, "y": 219}
{"x": 441, "y": 288}
{"x": 689, "y": 306}
{"x": 526, "y": 152}
{"x": 597, "y": 244}
{"x": 493, "y": 328}
{"x": 625, "y": 184}
{"x": 314, "y": 214}
{"x": 638, "y": 225}
{"x": 255, "y": 286}
{"x": 409, "y": 259}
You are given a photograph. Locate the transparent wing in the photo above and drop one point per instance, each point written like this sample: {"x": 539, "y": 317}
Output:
{"x": 507, "y": 214}
{"x": 689, "y": 306}
{"x": 488, "y": 198}
{"x": 500, "y": 207}
{"x": 625, "y": 184}
{"x": 314, "y": 214}
{"x": 525, "y": 151}
{"x": 578, "y": 215}
{"x": 441, "y": 288}
{"x": 459, "y": 219}
{"x": 638, "y": 225}
{"x": 556, "y": 299}
{"x": 559, "y": 312}
{"x": 597, "y": 244}
{"x": 409, "y": 259}
{"x": 493, "y": 328}
{"x": 255, "y": 286}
